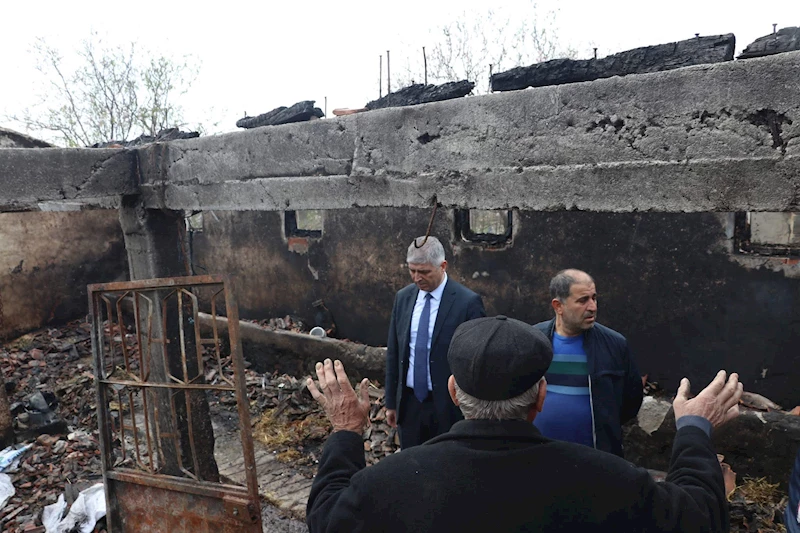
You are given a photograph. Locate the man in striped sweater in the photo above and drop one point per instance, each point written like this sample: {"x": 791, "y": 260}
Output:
{"x": 593, "y": 385}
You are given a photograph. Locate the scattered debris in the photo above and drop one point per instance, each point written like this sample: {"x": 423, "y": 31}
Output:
{"x": 757, "y": 506}
{"x": 169, "y": 134}
{"x": 299, "y": 112}
{"x": 650, "y": 387}
{"x": 292, "y": 424}
{"x": 756, "y": 401}
{"x": 55, "y": 469}
{"x": 10, "y": 456}
{"x": 287, "y": 323}
{"x": 783, "y": 40}
{"x": 50, "y": 368}
{"x": 87, "y": 509}
{"x": 423, "y": 94}
{"x": 728, "y": 475}
{"x": 6, "y": 490}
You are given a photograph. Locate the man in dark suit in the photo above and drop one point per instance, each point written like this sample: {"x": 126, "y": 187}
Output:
{"x": 424, "y": 317}
{"x": 495, "y": 472}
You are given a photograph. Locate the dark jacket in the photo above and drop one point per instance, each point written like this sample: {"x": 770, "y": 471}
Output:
{"x": 792, "y": 510}
{"x": 505, "y": 476}
{"x": 458, "y": 305}
{"x": 615, "y": 386}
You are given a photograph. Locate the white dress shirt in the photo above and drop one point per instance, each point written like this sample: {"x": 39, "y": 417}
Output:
{"x": 436, "y": 299}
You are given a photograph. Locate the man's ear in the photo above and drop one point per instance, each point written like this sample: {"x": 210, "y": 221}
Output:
{"x": 537, "y": 406}
{"x": 444, "y": 266}
{"x": 451, "y": 387}
{"x": 558, "y": 307}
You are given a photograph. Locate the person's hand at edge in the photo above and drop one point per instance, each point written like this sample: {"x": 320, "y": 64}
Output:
{"x": 345, "y": 410}
{"x": 718, "y": 402}
{"x": 391, "y": 417}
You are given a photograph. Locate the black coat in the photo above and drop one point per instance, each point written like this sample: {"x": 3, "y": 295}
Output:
{"x": 458, "y": 305}
{"x": 793, "y": 508}
{"x": 489, "y": 476}
{"x": 615, "y": 383}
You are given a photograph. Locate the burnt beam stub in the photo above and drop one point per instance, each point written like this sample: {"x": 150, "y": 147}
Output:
{"x": 697, "y": 51}
{"x": 722, "y": 137}
{"x": 777, "y": 42}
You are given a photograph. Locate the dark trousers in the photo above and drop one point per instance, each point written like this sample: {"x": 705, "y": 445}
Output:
{"x": 419, "y": 420}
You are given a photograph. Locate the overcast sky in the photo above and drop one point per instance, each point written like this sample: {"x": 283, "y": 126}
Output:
{"x": 256, "y": 56}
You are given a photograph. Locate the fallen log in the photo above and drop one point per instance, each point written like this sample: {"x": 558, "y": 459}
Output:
{"x": 296, "y": 354}
{"x": 756, "y": 444}
{"x": 697, "y": 51}
{"x": 423, "y": 94}
{"x": 784, "y": 40}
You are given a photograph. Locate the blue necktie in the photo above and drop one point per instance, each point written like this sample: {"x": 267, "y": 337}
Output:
{"x": 421, "y": 352}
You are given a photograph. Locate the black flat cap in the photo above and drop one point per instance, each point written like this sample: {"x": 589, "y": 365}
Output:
{"x": 497, "y": 358}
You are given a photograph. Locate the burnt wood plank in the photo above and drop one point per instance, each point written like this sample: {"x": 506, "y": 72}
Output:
{"x": 423, "y": 94}
{"x": 784, "y": 40}
{"x": 697, "y": 51}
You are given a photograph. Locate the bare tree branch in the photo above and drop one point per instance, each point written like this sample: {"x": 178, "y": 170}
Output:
{"x": 473, "y": 41}
{"x": 112, "y": 94}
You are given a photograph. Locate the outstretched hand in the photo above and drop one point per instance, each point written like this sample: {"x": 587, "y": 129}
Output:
{"x": 718, "y": 403}
{"x": 333, "y": 392}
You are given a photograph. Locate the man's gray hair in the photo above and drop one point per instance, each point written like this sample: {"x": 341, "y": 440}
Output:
{"x": 562, "y": 282}
{"x": 430, "y": 253}
{"x": 516, "y": 408}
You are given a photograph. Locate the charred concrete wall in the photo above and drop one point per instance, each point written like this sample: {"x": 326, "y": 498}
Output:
{"x": 46, "y": 261}
{"x": 48, "y": 258}
{"x": 669, "y": 282}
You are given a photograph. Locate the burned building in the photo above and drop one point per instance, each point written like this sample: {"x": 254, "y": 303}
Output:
{"x": 676, "y": 190}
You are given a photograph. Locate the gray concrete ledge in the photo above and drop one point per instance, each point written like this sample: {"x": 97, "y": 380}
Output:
{"x": 720, "y": 137}
{"x": 62, "y": 179}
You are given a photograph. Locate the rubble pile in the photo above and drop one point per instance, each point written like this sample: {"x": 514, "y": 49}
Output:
{"x": 287, "y": 323}
{"x": 289, "y": 422}
{"x": 51, "y": 389}
{"x": 757, "y": 506}
{"x": 49, "y": 375}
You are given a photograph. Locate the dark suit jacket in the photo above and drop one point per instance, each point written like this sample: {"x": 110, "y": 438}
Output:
{"x": 458, "y": 305}
{"x": 505, "y": 476}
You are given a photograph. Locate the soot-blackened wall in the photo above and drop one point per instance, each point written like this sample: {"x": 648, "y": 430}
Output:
{"x": 669, "y": 282}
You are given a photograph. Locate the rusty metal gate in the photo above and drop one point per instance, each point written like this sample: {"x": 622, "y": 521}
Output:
{"x": 158, "y": 381}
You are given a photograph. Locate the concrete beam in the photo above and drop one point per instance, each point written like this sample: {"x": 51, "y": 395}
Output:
{"x": 56, "y": 179}
{"x": 722, "y": 137}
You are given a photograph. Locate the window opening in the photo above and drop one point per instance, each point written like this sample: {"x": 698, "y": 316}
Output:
{"x": 768, "y": 233}
{"x": 306, "y": 223}
{"x": 484, "y": 226}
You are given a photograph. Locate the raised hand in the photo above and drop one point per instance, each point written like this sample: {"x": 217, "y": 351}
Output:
{"x": 333, "y": 392}
{"x": 718, "y": 403}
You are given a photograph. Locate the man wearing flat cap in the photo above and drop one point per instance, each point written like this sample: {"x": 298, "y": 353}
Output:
{"x": 494, "y": 471}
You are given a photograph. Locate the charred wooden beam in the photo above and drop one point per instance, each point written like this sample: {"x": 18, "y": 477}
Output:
{"x": 697, "y": 51}
{"x": 296, "y": 353}
{"x": 784, "y": 40}
{"x": 423, "y": 94}
{"x": 299, "y": 112}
